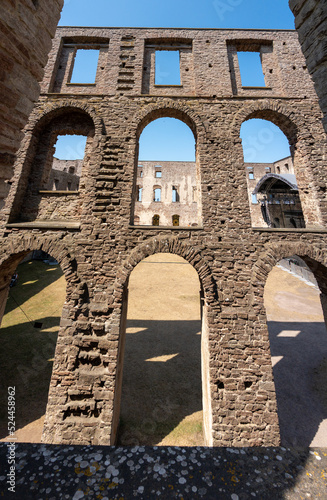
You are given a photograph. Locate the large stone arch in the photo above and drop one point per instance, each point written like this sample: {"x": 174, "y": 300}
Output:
{"x": 170, "y": 109}
{"x": 276, "y": 251}
{"x": 170, "y": 244}
{"x": 15, "y": 249}
{"x": 300, "y": 138}
{"x": 42, "y": 115}
{"x": 210, "y": 311}
{"x": 289, "y": 121}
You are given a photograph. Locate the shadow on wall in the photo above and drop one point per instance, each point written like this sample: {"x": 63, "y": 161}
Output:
{"x": 162, "y": 382}
{"x": 299, "y": 355}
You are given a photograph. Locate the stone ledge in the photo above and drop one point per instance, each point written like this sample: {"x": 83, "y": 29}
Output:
{"x": 289, "y": 230}
{"x": 167, "y": 228}
{"x": 59, "y": 193}
{"x": 45, "y": 224}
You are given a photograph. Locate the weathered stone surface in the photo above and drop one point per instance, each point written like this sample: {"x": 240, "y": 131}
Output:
{"x": 26, "y": 30}
{"x": 98, "y": 246}
{"x": 311, "y": 24}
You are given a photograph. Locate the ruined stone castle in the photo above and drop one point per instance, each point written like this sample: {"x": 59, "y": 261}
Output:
{"x": 92, "y": 233}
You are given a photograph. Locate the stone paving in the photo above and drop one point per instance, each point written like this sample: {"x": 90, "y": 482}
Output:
{"x": 75, "y": 472}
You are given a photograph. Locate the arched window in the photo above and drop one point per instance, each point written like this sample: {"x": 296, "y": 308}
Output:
{"x": 266, "y": 148}
{"x": 156, "y": 193}
{"x": 175, "y": 219}
{"x": 139, "y": 193}
{"x": 172, "y": 175}
{"x": 155, "y": 220}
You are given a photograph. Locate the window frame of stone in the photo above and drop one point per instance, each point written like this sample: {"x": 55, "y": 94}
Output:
{"x": 175, "y": 192}
{"x": 139, "y": 192}
{"x": 157, "y": 188}
{"x": 78, "y": 47}
{"x": 155, "y": 220}
{"x": 175, "y": 220}
{"x": 156, "y": 69}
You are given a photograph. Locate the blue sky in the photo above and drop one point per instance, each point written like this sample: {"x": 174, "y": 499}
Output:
{"x": 268, "y": 14}
{"x": 168, "y": 139}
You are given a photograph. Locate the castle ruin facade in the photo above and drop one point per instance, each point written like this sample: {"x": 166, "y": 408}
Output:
{"x": 91, "y": 231}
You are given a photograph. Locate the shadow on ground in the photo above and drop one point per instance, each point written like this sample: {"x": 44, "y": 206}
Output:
{"x": 161, "y": 381}
{"x": 299, "y": 354}
{"x": 26, "y": 359}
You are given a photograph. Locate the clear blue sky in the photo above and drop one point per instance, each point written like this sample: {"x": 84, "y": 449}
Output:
{"x": 168, "y": 139}
{"x": 268, "y": 14}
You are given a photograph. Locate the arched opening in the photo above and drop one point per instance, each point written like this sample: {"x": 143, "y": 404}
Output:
{"x": 298, "y": 342}
{"x": 52, "y": 183}
{"x": 67, "y": 163}
{"x": 167, "y": 170}
{"x": 162, "y": 398}
{"x": 28, "y": 334}
{"x": 270, "y": 173}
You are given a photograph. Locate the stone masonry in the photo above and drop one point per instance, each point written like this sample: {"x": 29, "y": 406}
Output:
{"x": 26, "y": 30}
{"x": 311, "y": 24}
{"x": 92, "y": 233}
{"x": 175, "y": 185}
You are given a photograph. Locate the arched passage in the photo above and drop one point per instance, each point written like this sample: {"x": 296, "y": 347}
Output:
{"x": 28, "y": 335}
{"x": 162, "y": 390}
{"x": 163, "y": 247}
{"x": 295, "y": 304}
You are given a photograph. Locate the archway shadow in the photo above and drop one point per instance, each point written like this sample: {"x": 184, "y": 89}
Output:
{"x": 299, "y": 355}
{"x": 26, "y": 360}
{"x": 161, "y": 380}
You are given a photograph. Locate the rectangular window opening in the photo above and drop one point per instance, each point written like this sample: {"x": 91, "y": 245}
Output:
{"x": 167, "y": 67}
{"x": 175, "y": 195}
{"x": 158, "y": 174}
{"x": 251, "y": 176}
{"x": 251, "y": 69}
{"x": 85, "y": 66}
{"x": 254, "y": 199}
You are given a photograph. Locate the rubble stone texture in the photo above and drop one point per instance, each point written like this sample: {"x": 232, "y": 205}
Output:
{"x": 311, "y": 24}
{"x": 93, "y": 237}
{"x": 26, "y": 30}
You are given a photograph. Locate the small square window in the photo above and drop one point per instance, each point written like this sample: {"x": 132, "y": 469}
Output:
{"x": 158, "y": 174}
{"x": 251, "y": 176}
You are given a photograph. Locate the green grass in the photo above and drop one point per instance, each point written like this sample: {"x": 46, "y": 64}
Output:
{"x": 26, "y": 353}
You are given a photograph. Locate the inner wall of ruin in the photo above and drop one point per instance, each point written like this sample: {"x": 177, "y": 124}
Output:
{"x": 27, "y": 28}
{"x": 91, "y": 232}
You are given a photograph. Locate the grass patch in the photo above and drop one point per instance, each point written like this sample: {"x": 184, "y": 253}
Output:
{"x": 26, "y": 354}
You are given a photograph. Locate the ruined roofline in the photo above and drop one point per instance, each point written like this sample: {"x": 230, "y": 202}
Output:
{"x": 184, "y": 29}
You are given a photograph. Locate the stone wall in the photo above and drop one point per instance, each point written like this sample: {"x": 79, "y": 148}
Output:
{"x": 167, "y": 176}
{"x": 26, "y": 30}
{"x": 311, "y": 24}
{"x": 98, "y": 246}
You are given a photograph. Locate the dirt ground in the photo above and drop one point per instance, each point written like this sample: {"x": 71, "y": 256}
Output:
{"x": 162, "y": 395}
{"x": 298, "y": 341}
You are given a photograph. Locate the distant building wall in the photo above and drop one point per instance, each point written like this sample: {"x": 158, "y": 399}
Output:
{"x": 254, "y": 172}
{"x": 176, "y": 182}
{"x": 26, "y": 30}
